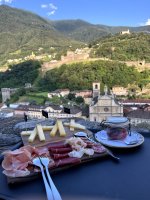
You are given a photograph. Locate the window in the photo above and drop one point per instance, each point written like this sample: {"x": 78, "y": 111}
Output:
{"x": 96, "y": 86}
{"x": 106, "y": 109}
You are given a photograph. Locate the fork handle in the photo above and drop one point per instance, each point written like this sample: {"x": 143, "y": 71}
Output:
{"x": 47, "y": 187}
{"x": 53, "y": 187}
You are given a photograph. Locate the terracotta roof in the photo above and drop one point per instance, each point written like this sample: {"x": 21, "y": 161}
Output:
{"x": 32, "y": 107}
{"x": 139, "y": 114}
{"x": 136, "y": 101}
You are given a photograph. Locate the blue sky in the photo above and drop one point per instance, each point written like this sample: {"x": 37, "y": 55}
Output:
{"x": 107, "y": 12}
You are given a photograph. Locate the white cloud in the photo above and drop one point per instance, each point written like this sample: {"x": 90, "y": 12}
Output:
{"x": 51, "y": 8}
{"x": 6, "y": 1}
{"x": 51, "y": 13}
{"x": 148, "y": 22}
{"x": 145, "y": 23}
{"x": 44, "y": 6}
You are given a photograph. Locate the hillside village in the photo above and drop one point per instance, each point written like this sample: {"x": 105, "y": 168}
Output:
{"x": 79, "y": 55}
{"x": 100, "y": 106}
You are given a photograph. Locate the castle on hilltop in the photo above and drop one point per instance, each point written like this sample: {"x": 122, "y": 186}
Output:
{"x": 125, "y": 32}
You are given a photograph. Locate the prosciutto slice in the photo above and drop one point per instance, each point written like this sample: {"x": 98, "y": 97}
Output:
{"x": 16, "y": 173}
{"x": 15, "y": 162}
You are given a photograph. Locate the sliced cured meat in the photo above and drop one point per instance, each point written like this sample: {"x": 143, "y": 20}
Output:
{"x": 16, "y": 162}
{"x": 59, "y": 156}
{"x": 57, "y": 145}
{"x": 42, "y": 151}
{"x": 89, "y": 144}
{"x": 76, "y": 143}
{"x": 16, "y": 173}
{"x": 66, "y": 161}
{"x": 99, "y": 149}
{"x": 117, "y": 133}
{"x": 60, "y": 150}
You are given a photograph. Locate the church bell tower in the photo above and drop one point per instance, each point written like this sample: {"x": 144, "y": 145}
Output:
{"x": 96, "y": 89}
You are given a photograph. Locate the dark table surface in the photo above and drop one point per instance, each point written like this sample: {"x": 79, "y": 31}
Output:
{"x": 104, "y": 179}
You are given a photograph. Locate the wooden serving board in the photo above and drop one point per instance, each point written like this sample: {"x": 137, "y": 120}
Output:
{"x": 50, "y": 139}
{"x": 57, "y": 138}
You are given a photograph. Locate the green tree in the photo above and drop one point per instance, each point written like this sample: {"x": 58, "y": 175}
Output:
{"x": 79, "y": 100}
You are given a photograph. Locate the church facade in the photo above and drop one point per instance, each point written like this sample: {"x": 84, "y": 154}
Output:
{"x": 103, "y": 106}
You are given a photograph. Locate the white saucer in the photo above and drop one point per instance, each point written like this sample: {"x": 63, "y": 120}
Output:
{"x": 135, "y": 137}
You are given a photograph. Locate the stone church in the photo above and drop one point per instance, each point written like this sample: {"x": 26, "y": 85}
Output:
{"x": 103, "y": 106}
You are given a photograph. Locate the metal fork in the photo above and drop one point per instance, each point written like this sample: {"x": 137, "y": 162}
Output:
{"x": 37, "y": 162}
{"x": 45, "y": 161}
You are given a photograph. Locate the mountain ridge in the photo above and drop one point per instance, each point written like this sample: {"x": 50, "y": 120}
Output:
{"x": 23, "y": 32}
{"x": 26, "y": 32}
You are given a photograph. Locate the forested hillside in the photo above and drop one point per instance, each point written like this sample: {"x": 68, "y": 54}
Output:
{"x": 80, "y": 30}
{"x": 75, "y": 76}
{"x": 20, "y": 74}
{"x": 132, "y": 47}
{"x": 82, "y": 75}
{"x": 22, "y": 32}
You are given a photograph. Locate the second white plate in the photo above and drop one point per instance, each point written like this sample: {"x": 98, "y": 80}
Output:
{"x": 102, "y": 137}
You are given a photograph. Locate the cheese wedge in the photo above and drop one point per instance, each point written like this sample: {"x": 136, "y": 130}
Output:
{"x": 40, "y": 132}
{"x": 66, "y": 124}
{"x": 33, "y": 135}
{"x": 54, "y": 130}
{"x": 47, "y": 128}
{"x": 61, "y": 128}
{"x": 26, "y": 133}
{"x": 72, "y": 121}
{"x": 75, "y": 125}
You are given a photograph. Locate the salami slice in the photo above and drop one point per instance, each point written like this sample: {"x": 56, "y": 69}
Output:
{"x": 99, "y": 149}
{"x": 66, "y": 161}
{"x": 60, "y": 150}
{"x": 57, "y": 146}
{"x": 59, "y": 156}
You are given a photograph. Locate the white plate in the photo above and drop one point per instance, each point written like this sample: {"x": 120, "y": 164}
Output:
{"x": 102, "y": 137}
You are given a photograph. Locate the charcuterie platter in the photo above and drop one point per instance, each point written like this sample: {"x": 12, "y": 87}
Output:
{"x": 58, "y": 144}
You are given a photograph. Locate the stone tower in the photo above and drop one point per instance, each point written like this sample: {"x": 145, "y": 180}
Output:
{"x": 96, "y": 89}
{"x": 5, "y": 94}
